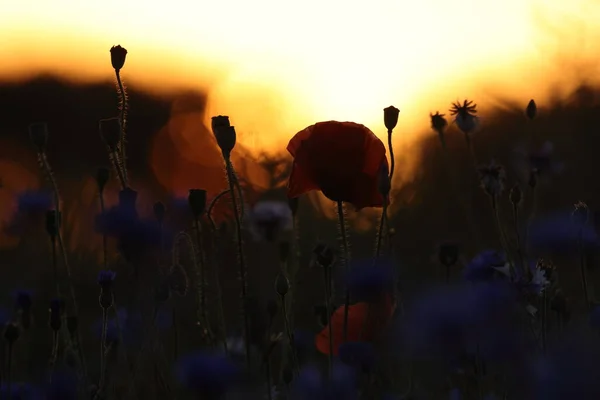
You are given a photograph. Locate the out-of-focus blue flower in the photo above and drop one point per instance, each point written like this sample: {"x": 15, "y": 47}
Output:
{"x": 540, "y": 161}
{"x": 269, "y": 219}
{"x": 20, "y": 391}
{"x": 63, "y": 386}
{"x": 455, "y": 394}
{"x": 106, "y": 278}
{"x": 31, "y": 210}
{"x": 311, "y": 384}
{"x": 558, "y": 234}
{"x": 449, "y": 322}
{"x": 485, "y": 266}
{"x": 164, "y": 318}
{"x": 595, "y": 318}
{"x": 533, "y": 283}
{"x": 304, "y": 342}
{"x": 569, "y": 372}
{"x": 112, "y": 331}
{"x": 23, "y": 299}
{"x": 207, "y": 375}
{"x": 367, "y": 282}
{"x": 360, "y": 355}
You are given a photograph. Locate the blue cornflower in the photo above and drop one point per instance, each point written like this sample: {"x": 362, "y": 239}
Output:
{"x": 23, "y": 299}
{"x": 112, "y": 331}
{"x": 106, "y": 279}
{"x": 367, "y": 282}
{"x": 20, "y": 391}
{"x": 595, "y": 318}
{"x": 361, "y": 355}
{"x": 208, "y": 375}
{"x": 311, "y": 384}
{"x": 449, "y": 322}
{"x": 32, "y": 206}
{"x": 455, "y": 394}
{"x": 557, "y": 233}
{"x": 485, "y": 266}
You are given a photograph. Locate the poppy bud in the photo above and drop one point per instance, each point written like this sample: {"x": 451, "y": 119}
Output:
{"x": 224, "y": 133}
{"x": 127, "y": 200}
{"x": 197, "y": 201}
{"x": 110, "y": 132}
{"x": 390, "y": 117}
{"x": 52, "y": 223}
{"x": 72, "y": 325}
{"x": 282, "y": 285}
{"x": 272, "y": 308}
{"x": 102, "y": 177}
{"x": 383, "y": 180}
{"x": 531, "y": 109}
{"x": 159, "y": 211}
{"x": 581, "y": 213}
{"x": 324, "y": 255}
{"x": 516, "y": 195}
{"x": 448, "y": 254}
{"x": 11, "y": 333}
{"x": 38, "y": 133}
{"x": 294, "y": 203}
{"x": 117, "y": 57}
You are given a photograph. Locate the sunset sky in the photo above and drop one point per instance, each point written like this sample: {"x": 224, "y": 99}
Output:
{"x": 277, "y": 66}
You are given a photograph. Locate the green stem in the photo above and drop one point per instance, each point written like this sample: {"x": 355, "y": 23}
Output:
{"x": 346, "y": 261}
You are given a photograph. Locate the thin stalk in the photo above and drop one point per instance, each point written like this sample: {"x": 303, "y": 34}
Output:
{"x": 217, "y": 277}
{"x": 288, "y": 332}
{"x": 268, "y": 378}
{"x": 55, "y": 266}
{"x": 584, "y": 282}
{"x": 104, "y": 237}
{"x": 544, "y": 321}
{"x": 503, "y": 241}
{"x": 526, "y": 271}
{"x": 327, "y": 281}
{"x": 241, "y": 256}
{"x": 346, "y": 258}
{"x": 382, "y": 223}
{"x": 103, "y": 348}
{"x": 392, "y": 160}
{"x": 122, "y": 114}
{"x": 201, "y": 281}
{"x": 54, "y": 355}
{"x": 113, "y": 156}
{"x": 9, "y": 370}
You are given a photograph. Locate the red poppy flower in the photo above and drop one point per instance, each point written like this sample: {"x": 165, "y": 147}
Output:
{"x": 366, "y": 321}
{"x": 341, "y": 159}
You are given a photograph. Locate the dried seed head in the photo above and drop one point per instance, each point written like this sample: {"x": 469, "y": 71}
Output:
{"x": 581, "y": 213}
{"x": 282, "y": 285}
{"x": 110, "y": 132}
{"x": 102, "y": 177}
{"x": 324, "y": 255}
{"x": 390, "y": 117}
{"x": 531, "y": 109}
{"x": 438, "y": 122}
{"x": 117, "y": 57}
{"x": 38, "y": 133}
{"x": 52, "y": 223}
{"x": 197, "y": 201}
{"x": 516, "y": 195}
{"x": 159, "y": 211}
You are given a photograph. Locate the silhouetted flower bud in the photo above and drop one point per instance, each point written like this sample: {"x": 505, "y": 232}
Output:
{"x": 531, "y": 109}
{"x": 439, "y": 124}
{"x": 282, "y": 285}
{"x": 11, "y": 333}
{"x": 224, "y": 134}
{"x": 581, "y": 213}
{"x": 110, "y": 132}
{"x": 38, "y": 133}
{"x": 197, "y": 201}
{"x": 159, "y": 211}
{"x": 390, "y": 117}
{"x": 383, "y": 180}
{"x": 72, "y": 325}
{"x": 106, "y": 278}
{"x": 287, "y": 375}
{"x": 294, "y": 203}
{"x": 324, "y": 255}
{"x": 102, "y": 177}
{"x": 117, "y": 57}
{"x": 272, "y": 308}
{"x": 516, "y": 195}
{"x": 448, "y": 254}
{"x": 127, "y": 200}
{"x": 52, "y": 223}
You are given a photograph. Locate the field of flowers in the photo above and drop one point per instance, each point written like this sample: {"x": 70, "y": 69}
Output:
{"x": 475, "y": 281}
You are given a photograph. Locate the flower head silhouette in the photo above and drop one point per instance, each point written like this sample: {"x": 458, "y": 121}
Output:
{"x": 341, "y": 159}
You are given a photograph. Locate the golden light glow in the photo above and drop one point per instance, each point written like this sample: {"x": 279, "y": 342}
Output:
{"x": 278, "y": 66}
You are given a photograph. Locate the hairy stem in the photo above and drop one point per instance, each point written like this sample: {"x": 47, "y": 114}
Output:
{"x": 346, "y": 262}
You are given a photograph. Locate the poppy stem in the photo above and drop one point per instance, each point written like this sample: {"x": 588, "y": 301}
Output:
{"x": 391, "y": 147}
{"x": 584, "y": 283}
{"x": 382, "y": 224}
{"x": 104, "y": 238}
{"x": 240, "y": 250}
{"x": 122, "y": 114}
{"x": 327, "y": 279}
{"x": 346, "y": 261}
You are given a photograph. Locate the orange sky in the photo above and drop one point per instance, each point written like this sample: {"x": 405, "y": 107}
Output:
{"x": 277, "y": 66}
